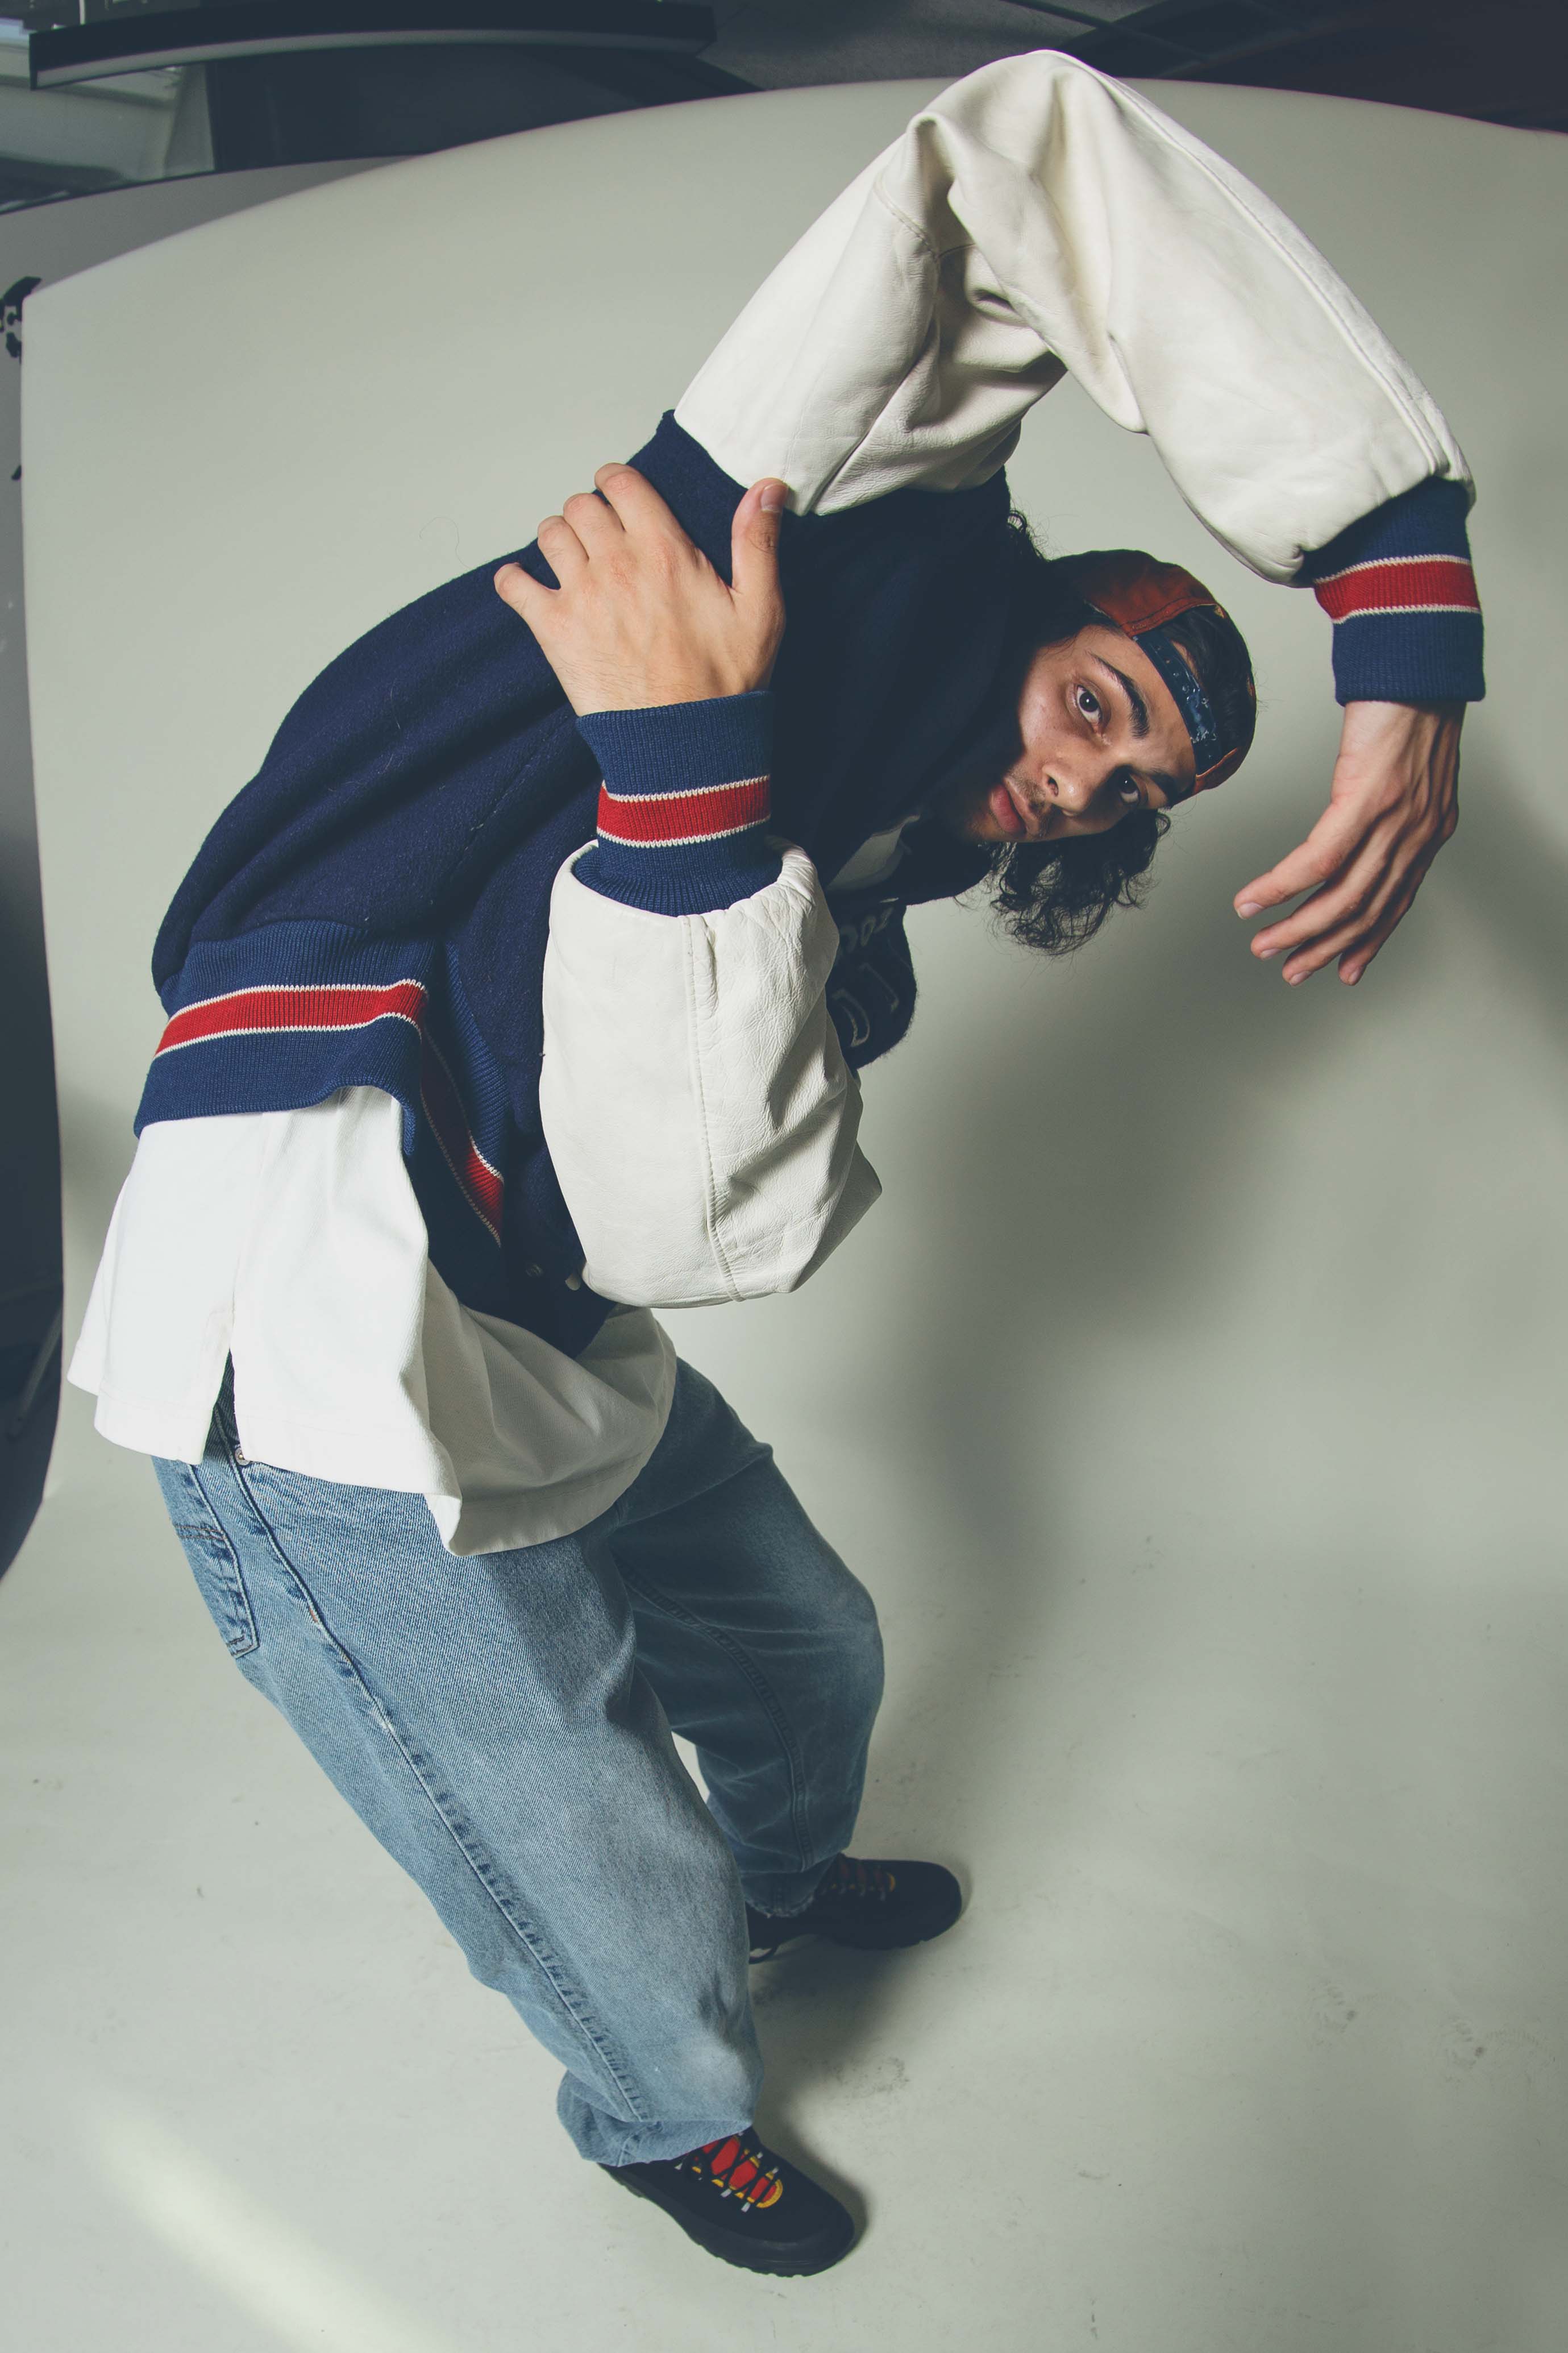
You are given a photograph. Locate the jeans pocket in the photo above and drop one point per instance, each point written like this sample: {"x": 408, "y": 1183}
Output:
{"x": 213, "y": 1561}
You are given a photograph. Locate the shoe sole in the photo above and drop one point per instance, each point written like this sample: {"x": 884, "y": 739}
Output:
{"x": 787, "y": 2263}
{"x": 867, "y": 1941}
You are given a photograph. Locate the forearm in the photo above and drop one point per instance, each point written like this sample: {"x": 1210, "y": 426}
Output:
{"x": 1038, "y": 219}
{"x": 699, "y": 1114}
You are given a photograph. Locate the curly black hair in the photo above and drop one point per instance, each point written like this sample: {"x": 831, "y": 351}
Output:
{"x": 1054, "y": 896}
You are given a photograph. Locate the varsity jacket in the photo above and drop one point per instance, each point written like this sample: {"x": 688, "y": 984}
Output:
{"x": 592, "y": 960}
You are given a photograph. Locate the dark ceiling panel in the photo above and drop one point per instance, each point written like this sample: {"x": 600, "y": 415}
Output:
{"x": 1497, "y": 60}
{"x": 130, "y": 40}
{"x": 1503, "y": 60}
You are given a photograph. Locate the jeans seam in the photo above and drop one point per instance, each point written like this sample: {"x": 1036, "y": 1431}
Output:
{"x": 232, "y": 1549}
{"x": 759, "y": 1685}
{"x": 471, "y": 1852}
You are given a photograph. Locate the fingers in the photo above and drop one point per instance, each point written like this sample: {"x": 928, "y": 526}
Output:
{"x": 1393, "y": 804}
{"x": 1331, "y": 922}
{"x": 634, "y": 502}
{"x": 1351, "y": 916}
{"x": 1355, "y": 941}
{"x": 517, "y": 589}
{"x": 558, "y": 541}
{"x": 1342, "y": 865}
{"x": 586, "y": 526}
{"x": 1315, "y": 862}
{"x": 636, "y": 609}
{"x": 595, "y": 523}
{"x": 1347, "y": 892}
{"x": 754, "y": 543}
{"x": 567, "y": 558}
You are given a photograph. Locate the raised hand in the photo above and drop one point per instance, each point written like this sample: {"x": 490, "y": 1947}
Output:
{"x": 1394, "y": 803}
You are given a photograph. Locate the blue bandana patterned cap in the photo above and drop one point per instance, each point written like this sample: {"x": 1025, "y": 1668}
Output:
{"x": 1139, "y": 596}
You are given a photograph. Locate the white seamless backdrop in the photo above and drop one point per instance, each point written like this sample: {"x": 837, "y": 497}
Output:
{"x": 1192, "y": 1402}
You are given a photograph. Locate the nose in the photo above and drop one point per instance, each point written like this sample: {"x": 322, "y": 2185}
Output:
{"x": 1071, "y": 790}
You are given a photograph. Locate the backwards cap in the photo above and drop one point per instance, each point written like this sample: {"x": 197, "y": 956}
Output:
{"x": 1138, "y": 595}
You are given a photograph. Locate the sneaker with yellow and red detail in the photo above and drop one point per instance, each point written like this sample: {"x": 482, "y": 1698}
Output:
{"x": 745, "y": 2204}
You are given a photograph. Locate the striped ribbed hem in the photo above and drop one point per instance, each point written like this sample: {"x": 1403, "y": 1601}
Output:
{"x": 1400, "y": 591}
{"x": 281, "y": 1017}
{"x": 684, "y": 806}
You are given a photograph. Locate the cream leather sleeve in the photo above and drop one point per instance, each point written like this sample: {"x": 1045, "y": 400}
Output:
{"x": 697, "y": 1108}
{"x": 1038, "y": 219}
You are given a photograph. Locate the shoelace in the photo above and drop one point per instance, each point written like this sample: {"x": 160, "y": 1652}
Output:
{"x": 850, "y": 1877}
{"x": 736, "y": 2170}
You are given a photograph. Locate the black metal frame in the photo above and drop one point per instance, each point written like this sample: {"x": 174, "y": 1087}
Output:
{"x": 250, "y": 28}
{"x": 1173, "y": 39}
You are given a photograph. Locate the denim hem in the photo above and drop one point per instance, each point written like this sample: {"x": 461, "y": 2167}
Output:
{"x": 654, "y": 2144}
{"x": 789, "y": 1902}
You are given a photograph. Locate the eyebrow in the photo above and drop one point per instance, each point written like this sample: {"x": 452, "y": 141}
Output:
{"x": 1139, "y": 708}
{"x": 1171, "y": 787}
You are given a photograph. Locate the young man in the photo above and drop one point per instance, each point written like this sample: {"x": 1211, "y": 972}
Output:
{"x": 523, "y": 991}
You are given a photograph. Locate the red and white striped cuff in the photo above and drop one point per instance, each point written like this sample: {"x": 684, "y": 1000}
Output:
{"x": 1399, "y": 584}
{"x": 665, "y": 820}
{"x": 684, "y": 806}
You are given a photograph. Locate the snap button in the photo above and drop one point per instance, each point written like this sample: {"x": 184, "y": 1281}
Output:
{"x": 573, "y": 1282}
{"x": 532, "y": 1268}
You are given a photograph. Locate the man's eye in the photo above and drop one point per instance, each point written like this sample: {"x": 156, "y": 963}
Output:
{"x": 1087, "y": 702}
{"x": 1128, "y": 794}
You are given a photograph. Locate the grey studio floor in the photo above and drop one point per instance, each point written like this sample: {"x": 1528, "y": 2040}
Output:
{"x": 1250, "y": 2035}
{"x": 1192, "y": 1404}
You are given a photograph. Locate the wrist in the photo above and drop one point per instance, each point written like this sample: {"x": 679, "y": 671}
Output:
{"x": 671, "y": 691}
{"x": 1368, "y": 716}
{"x": 1400, "y": 591}
{"x": 684, "y": 803}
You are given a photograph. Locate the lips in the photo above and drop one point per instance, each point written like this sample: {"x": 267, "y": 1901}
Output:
{"x": 1005, "y": 809}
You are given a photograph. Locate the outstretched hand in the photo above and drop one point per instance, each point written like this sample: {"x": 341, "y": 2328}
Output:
{"x": 1394, "y": 803}
{"x": 641, "y": 618}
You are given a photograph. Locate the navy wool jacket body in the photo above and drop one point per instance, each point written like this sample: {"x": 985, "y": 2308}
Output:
{"x": 373, "y": 908}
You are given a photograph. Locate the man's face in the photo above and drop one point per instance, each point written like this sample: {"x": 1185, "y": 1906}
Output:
{"x": 1102, "y": 736}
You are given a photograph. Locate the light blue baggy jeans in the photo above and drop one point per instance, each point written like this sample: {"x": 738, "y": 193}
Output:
{"x": 503, "y": 1723}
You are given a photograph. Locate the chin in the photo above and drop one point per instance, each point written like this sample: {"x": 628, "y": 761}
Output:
{"x": 974, "y": 822}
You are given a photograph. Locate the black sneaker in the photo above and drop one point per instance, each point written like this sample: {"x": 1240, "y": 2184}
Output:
{"x": 876, "y": 1906}
{"x": 746, "y": 2205}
